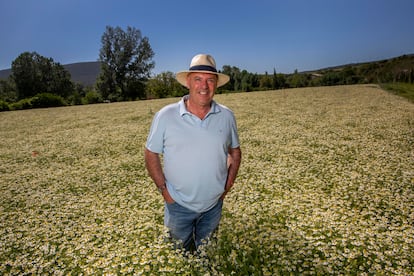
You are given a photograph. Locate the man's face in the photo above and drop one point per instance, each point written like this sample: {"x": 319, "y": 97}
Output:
{"x": 202, "y": 87}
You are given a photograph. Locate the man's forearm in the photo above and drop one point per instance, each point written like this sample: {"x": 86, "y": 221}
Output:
{"x": 153, "y": 165}
{"x": 235, "y": 160}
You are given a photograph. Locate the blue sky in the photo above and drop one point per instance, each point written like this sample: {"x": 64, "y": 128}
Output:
{"x": 258, "y": 36}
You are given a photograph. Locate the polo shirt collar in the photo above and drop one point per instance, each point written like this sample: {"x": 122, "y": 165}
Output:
{"x": 215, "y": 108}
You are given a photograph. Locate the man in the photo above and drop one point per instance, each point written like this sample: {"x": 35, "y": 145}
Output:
{"x": 201, "y": 154}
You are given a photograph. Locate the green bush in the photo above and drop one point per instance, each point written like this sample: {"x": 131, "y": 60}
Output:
{"x": 22, "y": 104}
{"x": 47, "y": 100}
{"x": 92, "y": 97}
{"x": 75, "y": 99}
{"x": 4, "y": 106}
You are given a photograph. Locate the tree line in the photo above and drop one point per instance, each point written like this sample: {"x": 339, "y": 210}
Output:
{"x": 126, "y": 59}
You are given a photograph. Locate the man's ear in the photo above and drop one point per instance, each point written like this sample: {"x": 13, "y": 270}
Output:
{"x": 187, "y": 81}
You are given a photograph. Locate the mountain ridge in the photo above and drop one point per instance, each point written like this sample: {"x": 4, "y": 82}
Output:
{"x": 84, "y": 73}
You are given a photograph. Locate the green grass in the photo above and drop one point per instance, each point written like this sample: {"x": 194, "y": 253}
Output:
{"x": 326, "y": 187}
{"x": 405, "y": 90}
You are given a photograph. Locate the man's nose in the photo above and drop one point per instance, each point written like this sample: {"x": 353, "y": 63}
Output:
{"x": 204, "y": 83}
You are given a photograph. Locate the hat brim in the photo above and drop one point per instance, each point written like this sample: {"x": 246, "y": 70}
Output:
{"x": 181, "y": 77}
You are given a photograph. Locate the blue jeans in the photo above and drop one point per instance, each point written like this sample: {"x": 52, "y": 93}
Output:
{"x": 190, "y": 228}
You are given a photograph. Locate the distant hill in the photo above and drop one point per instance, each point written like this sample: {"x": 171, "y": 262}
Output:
{"x": 391, "y": 65}
{"x": 84, "y": 73}
{"x": 4, "y": 74}
{"x": 398, "y": 69}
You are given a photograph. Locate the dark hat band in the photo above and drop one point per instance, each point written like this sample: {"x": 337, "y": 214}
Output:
{"x": 203, "y": 68}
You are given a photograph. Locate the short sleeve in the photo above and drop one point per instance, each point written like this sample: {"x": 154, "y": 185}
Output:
{"x": 235, "y": 143}
{"x": 155, "y": 139}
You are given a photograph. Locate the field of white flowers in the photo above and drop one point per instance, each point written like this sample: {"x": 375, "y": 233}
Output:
{"x": 326, "y": 186}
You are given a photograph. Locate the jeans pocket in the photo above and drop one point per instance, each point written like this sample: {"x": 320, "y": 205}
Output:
{"x": 170, "y": 203}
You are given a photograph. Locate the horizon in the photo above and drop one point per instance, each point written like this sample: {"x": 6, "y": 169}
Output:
{"x": 311, "y": 70}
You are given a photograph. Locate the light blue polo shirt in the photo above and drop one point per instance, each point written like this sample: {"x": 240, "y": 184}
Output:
{"x": 194, "y": 152}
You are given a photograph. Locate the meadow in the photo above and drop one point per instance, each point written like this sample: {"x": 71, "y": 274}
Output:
{"x": 326, "y": 186}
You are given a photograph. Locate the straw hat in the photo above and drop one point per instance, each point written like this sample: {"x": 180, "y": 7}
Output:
{"x": 202, "y": 63}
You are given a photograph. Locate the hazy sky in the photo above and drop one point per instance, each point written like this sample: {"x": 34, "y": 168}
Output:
{"x": 258, "y": 36}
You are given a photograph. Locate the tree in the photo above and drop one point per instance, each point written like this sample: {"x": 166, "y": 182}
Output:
{"x": 265, "y": 82}
{"x": 126, "y": 59}
{"x": 235, "y": 78}
{"x": 34, "y": 74}
{"x": 164, "y": 85}
{"x": 7, "y": 91}
{"x": 298, "y": 80}
{"x": 275, "y": 80}
{"x": 330, "y": 78}
{"x": 246, "y": 83}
